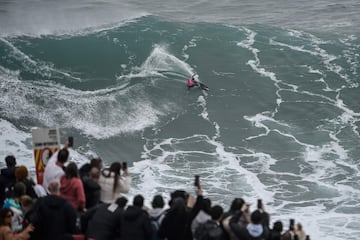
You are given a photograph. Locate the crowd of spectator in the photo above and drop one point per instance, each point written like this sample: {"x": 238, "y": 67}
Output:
{"x": 89, "y": 203}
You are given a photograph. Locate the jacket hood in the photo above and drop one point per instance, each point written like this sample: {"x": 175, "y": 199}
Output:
{"x": 133, "y": 213}
{"x": 53, "y": 202}
{"x": 255, "y": 230}
{"x": 156, "y": 212}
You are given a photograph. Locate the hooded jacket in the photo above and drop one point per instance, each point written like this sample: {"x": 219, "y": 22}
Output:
{"x": 55, "y": 218}
{"x": 72, "y": 190}
{"x": 137, "y": 224}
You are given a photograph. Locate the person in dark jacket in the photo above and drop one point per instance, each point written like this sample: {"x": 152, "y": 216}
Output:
{"x": 175, "y": 225}
{"x": 55, "y": 218}
{"x": 92, "y": 188}
{"x": 106, "y": 221}
{"x": 253, "y": 231}
{"x": 85, "y": 169}
{"x": 137, "y": 225}
{"x": 7, "y": 177}
{"x": 276, "y": 231}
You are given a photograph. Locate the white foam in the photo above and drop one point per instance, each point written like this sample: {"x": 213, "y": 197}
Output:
{"x": 53, "y": 105}
{"x": 16, "y": 142}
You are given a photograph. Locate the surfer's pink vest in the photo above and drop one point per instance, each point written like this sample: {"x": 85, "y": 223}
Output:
{"x": 190, "y": 82}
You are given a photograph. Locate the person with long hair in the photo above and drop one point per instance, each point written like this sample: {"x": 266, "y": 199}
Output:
{"x": 112, "y": 183}
{"x": 22, "y": 175}
{"x": 5, "y": 227}
{"x": 72, "y": 187}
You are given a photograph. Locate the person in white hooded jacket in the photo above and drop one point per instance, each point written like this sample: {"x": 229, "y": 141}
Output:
{"x": 112, "y": 183}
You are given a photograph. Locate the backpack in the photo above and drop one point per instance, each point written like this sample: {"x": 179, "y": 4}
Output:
{"x": 209, "y": 230}
{"x": 155, "y": 223}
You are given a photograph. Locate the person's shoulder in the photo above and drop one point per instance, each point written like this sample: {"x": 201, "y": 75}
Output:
{"x": 4, "y": 229}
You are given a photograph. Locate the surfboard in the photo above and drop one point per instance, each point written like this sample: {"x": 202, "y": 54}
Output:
{"x": 204, "y": 87}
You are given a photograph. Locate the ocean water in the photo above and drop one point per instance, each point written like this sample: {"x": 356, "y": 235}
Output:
{"x": 280, "y": 122}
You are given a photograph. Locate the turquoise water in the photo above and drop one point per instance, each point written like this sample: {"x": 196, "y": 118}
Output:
{"x": 280, "y": 122}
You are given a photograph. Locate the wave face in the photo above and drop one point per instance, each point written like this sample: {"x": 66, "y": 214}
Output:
{"x": 280, "y": 122}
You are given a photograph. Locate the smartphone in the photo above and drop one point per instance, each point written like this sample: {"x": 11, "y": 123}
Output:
{"x": 197, "y": 181}
{"x": 70, "y": 141}
{"x": 124, "y": 165}
{"x": 259, "y": 204}
{"x": 292, "y": 224}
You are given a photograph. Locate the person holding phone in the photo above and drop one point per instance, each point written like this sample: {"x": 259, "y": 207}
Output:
{"x": 112, "y": 183}
{"x": 264, "y": 215}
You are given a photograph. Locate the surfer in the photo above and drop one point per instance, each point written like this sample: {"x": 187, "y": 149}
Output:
{"x": 192, "y": 82}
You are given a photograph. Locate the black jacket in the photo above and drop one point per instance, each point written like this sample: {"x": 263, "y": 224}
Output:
{"x": 92, "y": 191}
{"x": 55, "y": 218}
{"x": 137, "y": 225}
{"x": 176, "y": 223}
{"x": 7, "y": 181}
{"x": 106, "y": 222}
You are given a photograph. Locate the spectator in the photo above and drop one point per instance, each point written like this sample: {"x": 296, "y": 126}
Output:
{"x": 300, "y": 232}
{"x": 137, "y": 224}
{"x": 174, "y": 226}
{"x": 72, "y": 188}
{"x": 254, "y": 230}
{"x": 238, "y": 204}
{"x": 14, "y": 204}
{"x": 157, "y": 211}
{"x": 85, "y": 169}
{"x": 276, "y": 231}
{"x": 203, "y": 212}
{"x": 92, "y": 188}
{"x": 55, "y": 167}
{"x": 211, "y": 229}
{"x": 5, "y": 227}
{"x": 21, "y": 174}
{"x": 7, "y": 177}
{"x": 55, "y": 216}
{"x": 112, "y": 183}
{"x": 256, "y": 227}
{"x": 106, "y": 222}
{"x": 156, "y": 214}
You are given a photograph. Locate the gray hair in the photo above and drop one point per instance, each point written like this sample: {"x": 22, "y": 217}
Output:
{"x": 54, "y": 186}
